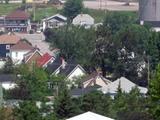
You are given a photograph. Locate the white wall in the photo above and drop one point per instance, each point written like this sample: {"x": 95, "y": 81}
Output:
{"x": 17, "y": 56}
{"x": 8, "y": 85}
{"x": 77, "y": 73}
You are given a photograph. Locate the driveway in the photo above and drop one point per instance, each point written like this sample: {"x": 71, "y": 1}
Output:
{"x": 37, "y": 40}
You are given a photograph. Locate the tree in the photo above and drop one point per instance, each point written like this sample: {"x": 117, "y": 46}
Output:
{"x": 8, "y": 67}
{"x": 6, "y": 1}
{"x": 72, "y": 8}
{"x": 33, "y": 82}
{"x": 154, "y": 93}
{"x": 130, "y": 106}
{"x": 63, "y": 105}
{"x": 118, "y": 20}
{"x": 96, "y": 102}
{"x": 27, "y": 110}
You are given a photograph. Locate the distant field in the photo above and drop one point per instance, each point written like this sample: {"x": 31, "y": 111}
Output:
{"x": 43, "y": 12}
{"x": 7, "y": 8}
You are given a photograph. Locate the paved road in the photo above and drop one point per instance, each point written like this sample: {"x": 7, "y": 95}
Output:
{"x": 111, "y": 5}
{"x": 37, "y": 40}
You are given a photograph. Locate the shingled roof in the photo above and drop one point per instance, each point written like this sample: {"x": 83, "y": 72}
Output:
{"x": 9, "y": 39}
{"x": 18, "y": 15}
{"x": 21, "y": 45}
{"x": 44, "y": 59}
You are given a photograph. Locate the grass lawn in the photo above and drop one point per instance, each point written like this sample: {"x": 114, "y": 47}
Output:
{"x": 98, "y": 15}
{"x": 7, "y": 8}
{"x": 43, "y": 12}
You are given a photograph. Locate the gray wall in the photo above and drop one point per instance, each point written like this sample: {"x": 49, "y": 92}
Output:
{"x": 149, "y": 10}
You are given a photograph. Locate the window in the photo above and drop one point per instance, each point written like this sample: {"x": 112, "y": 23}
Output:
{"x": 7, "y": 47}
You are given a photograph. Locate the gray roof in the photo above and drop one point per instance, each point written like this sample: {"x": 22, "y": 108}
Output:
{"x": 77, "y": 92}
{"x": 7, "y": 77}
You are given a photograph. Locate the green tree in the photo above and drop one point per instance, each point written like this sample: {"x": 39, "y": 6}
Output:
{"x": 27, "y": 110}
{"x": 8, "y": 67}
{"x": 63, "y": 105}
{"x": 33, "y": 82}
{"x": 96, "y": 102}
{"x": 154, "y": 93}
{"x": 72, "y": 8}
{"x": 118, "y": 20}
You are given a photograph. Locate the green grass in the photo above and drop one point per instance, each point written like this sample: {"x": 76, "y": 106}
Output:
{"x": 45, "y": 12}
{"x": 7, "y": 8}
{"x": 98, "y": 15}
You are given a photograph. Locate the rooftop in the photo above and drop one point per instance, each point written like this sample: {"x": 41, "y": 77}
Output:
{"x": 18, "y": 15}
{"x": 22, "y": 45}
{"x": 9, "y": 39}
{"x": 44, "y": 59}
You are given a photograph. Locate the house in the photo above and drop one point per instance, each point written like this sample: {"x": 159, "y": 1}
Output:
{"x": 54, "y": 21}
{"x": 18, "y": 51}
{"x": 95, "y": 79}
{"x": 32, "y": 56}
{"x": 8, "y": 81}
{"x": 17, "y": 21}
{"x": 68, "y": 69}
{"x": 6, "y": 42}
{"x": 83, "y": 20}
{"x": 89, "y": 116}
{"x": 125, "y": 84}
{"x": 45, "y": 60}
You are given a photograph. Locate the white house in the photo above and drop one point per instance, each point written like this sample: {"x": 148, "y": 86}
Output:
{"x": 89, "y": 116}
{"x": 8, "y": 81}
{"x": 83, "y": 20}
{"x": 125, "y": 84}
{"x": 18, "y": 51}
{"x": 95, "y": 79}
{"x": 54, "y": 21}
{"x": 68, "y": 69}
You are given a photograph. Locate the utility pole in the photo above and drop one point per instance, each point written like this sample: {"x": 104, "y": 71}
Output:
{"x": 148, "y": 69}
{"x": 1, "y": 95}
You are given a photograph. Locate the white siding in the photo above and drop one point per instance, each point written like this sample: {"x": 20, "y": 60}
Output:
{"x": 76, "y": 73}
{"x": 17, "y": 56}
{"x": 8, "y": 85}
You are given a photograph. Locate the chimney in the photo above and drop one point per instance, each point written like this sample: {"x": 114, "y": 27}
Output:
{"x": 63, "y": 63}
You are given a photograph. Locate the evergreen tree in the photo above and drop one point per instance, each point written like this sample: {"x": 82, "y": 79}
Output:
{"x": 72, "y": 8}
{"x": 154, "y": 92}
{"x": 63, "y": 105}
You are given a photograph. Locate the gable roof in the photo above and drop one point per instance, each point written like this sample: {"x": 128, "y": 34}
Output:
{"x": 69, "y": 68}
{"x": 125, "y": 84}
{"x": 9, "y": 39}
{"x": 57, "y": 17}
{"x": 83, "y": 18}
{"x": 31, "y": 53}
{"x": 18, "y": 15}
{"x": 44, "y": 59}
{"x": 51, "y": 68}
{"x": 89, "y": 116}
{"x": 21, "y": 46}
{"x": 93, "y": 79}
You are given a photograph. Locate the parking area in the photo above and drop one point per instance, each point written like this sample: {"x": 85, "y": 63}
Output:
{"x": 37, "y": 40}
{"x": 111, "y": 5}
